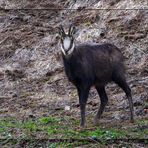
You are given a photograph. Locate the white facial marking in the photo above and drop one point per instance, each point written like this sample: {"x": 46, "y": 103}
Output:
{"x": 70, "y": 50}
{"x": 63, "y": 50}
{"x": 66, "y": 43}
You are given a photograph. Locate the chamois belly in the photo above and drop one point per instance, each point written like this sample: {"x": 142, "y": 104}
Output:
{"x": 102, "y": 73}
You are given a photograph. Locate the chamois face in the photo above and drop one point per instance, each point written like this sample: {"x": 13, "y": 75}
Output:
{"x": 67, "y": 40}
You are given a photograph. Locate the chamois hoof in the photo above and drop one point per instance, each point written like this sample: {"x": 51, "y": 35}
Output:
{"x": 80, "y": 128}
{"x": 132, "y": 120}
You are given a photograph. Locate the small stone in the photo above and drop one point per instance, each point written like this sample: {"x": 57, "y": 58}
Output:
{"x": 67, "y": 107}
{"x": 117, "y": 116}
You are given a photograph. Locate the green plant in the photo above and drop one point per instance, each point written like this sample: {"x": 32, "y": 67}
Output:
{"x": 50, "y": 119}
{"x": 30, "y": 125}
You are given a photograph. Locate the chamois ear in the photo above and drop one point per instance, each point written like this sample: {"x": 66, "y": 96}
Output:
{"x": 72, "y": 30}
{"x": 61, "y": 31}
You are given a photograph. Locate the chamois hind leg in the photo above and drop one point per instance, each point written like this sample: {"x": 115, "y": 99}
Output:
{"x": 83, "y": 96}
{"x": 121, "y": 81}
{"x": 104, "y": 99}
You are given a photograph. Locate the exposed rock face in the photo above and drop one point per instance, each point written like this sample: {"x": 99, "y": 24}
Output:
{"x": 31, "y": 70}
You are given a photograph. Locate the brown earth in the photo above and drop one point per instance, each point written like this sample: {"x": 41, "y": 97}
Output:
{"x": 32, "y": 78}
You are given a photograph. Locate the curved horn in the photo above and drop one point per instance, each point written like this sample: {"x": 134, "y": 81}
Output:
{"x": 61, "y": 29}
{"x": 71, "y": 30}
{"x": 70, "y": 27}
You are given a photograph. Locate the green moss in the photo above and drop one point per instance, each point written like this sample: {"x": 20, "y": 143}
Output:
{"x": 50, "y": 119}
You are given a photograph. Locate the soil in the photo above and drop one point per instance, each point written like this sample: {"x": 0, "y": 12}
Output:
{"x": 32, "y": 78}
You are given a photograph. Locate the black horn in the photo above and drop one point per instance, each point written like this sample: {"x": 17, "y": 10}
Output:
{"x": 61, "y": 30}
{"x": 71, "y": 30}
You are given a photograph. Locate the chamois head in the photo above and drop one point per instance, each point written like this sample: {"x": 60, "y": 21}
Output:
{"x": 67, "y": 40}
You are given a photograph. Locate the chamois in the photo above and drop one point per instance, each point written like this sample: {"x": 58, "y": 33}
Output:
{"x": 89, "y": 65}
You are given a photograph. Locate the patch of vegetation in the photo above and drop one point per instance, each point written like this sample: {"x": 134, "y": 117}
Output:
{"x": 30, "y": 125}
{"x": 50, "y": 119}
{"x": 55, "y": 127}
{"x": 140, "y": 131}
{"x": 68, "y": 144}
{"x": 108, "y": 133}
{"x": 52, "y": 130}
{"x": 142, "y": 122}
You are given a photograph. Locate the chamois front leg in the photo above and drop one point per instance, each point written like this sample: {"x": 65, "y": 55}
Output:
{"x": 83, "y": 96}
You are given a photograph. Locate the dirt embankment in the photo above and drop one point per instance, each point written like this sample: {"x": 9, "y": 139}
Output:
{"x": 32, "y": 80}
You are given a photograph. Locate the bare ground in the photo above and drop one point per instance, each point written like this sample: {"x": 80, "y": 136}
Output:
{"x": 32, "y": 80}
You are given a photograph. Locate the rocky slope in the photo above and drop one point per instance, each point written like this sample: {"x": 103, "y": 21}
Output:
{"x": 32, "y": 79}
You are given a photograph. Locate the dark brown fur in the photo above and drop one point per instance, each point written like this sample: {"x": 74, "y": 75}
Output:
{"x": 96, "y": 65}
